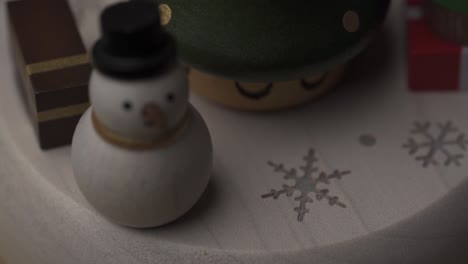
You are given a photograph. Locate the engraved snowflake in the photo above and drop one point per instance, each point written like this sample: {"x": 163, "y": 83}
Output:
{"x": 437, "y": 144}
{"x": 306, "y": 184}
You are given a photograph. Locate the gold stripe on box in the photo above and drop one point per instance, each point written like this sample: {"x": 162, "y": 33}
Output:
{"x": 57, "y": 64}
{"x": 62, "y": 112}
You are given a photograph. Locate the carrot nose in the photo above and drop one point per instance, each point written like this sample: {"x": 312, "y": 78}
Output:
{"x": 153, "y": 116}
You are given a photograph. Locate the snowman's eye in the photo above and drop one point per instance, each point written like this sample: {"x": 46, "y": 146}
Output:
{"x": 170, "y": 97}
{"x": 127, "y": 106}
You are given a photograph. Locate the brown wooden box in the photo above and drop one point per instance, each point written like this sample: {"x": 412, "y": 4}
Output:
{"x": 53, "y": 65}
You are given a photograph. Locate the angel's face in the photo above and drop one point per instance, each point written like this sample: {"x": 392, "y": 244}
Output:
{"x": 263, "y": 96}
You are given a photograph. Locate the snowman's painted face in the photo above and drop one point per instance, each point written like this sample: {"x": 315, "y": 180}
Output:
{"x": 141, "y": 109}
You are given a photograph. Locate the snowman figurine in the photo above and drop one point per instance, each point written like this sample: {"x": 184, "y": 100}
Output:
{"x": 141, "y": 155}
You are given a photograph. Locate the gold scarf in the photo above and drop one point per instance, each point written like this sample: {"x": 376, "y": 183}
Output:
{"x": 136, "y": 144}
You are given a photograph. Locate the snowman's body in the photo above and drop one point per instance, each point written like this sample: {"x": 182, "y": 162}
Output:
{"x": 143, "y": 188}
{"x": 142, "y": 155}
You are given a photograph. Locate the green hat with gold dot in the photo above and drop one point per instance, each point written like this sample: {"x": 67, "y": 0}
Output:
{"x": 259, "y": 40}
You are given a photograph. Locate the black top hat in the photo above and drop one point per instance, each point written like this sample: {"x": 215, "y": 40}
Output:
{"x": 133, "y": 43}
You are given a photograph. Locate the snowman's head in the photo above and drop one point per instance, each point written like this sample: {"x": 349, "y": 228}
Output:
{"x": 143, "y": 109}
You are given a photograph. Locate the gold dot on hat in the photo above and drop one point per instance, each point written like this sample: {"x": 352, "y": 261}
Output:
{"x": 351, "y": 21}
{"x": 166, "y": 14}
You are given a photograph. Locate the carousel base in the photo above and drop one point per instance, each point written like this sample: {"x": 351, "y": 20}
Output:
{"x": 331, "y": 182}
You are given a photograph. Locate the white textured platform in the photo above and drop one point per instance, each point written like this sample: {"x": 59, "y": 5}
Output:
{"x": 390, "y": 208}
